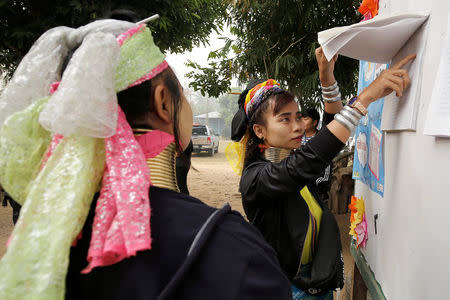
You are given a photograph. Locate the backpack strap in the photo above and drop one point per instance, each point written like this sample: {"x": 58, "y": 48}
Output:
{"x": 197, "y": 245}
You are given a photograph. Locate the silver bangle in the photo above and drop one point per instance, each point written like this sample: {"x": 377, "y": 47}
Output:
{"x": 329, "y": 88}
{"x": 353, "y": 111}
{"x": 332, "y": 100}
{"x": 349, "y": 116}
{"x": 344, "y": 122}
{"x": 331, "y": 93}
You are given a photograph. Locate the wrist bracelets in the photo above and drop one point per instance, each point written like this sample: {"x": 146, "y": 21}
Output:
{"x": 348, "y": 117}
{"x": 331, "y": 94}
{"x": 344, "y": 122}
{"x": 336, "y": 98}
{"x": 329, "y": 88}
{"x": 353, "y": 111}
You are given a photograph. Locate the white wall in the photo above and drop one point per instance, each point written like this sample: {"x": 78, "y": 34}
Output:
{"x": 410, "y": 255}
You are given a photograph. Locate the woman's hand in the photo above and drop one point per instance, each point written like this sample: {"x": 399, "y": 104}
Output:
{"x": 393, "y": 79}
{"x": 326, "y": 68}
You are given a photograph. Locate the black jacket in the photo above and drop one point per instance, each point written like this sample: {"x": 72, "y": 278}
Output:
{"x": 272, "y": 201}
{"x": 234, "y": 263}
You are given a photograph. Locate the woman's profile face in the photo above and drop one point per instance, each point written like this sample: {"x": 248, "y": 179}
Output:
{"x": 284, "y": 129}
{"x": 185, "y": 121}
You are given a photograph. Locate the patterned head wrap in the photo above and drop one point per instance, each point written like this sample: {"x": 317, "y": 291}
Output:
{"x": 63, "y": 138}
{"x": 235, "y": 152}
{"x": 259, "y": 94}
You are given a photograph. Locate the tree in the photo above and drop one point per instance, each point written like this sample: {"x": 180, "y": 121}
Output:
{"x": 277, "y": 39}
{"x": 183, "y": 23}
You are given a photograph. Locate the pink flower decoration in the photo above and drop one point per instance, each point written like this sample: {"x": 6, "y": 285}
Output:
{"x": 361, "y": 232}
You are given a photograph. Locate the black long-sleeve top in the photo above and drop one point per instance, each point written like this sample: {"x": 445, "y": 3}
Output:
{"x": 234, "y": 263}
{"x": 272, "y": 201}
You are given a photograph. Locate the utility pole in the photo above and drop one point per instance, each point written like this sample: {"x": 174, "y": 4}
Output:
{"x": 207, "y": 111}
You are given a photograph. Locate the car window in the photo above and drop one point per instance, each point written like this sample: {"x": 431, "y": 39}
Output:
{"x": 199, "y": 130}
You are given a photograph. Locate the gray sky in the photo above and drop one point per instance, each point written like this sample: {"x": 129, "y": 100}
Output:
{"x": 198, "y": 55}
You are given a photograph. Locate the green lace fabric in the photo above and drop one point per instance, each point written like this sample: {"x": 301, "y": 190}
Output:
{"x": 53, "y": 214}
{"x": 23, "y": 143}
{"x": 138, "y": 55}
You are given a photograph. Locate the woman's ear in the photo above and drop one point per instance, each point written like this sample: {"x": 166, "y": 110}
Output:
{"x": 163, "y": 104}
{"x": 161, "y": 116}
{"x": 259, "y": 130}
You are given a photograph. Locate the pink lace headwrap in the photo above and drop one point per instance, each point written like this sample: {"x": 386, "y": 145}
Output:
{"x": 122, "y": 215}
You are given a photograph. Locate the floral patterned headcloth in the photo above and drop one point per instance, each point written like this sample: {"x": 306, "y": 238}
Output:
{"x": 259, "y": 94}
{"x": 60, "y": 139}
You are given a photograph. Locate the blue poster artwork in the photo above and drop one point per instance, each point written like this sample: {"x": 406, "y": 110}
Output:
{"x": 368, "y": 163}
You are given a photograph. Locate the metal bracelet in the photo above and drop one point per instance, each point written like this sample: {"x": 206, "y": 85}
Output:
{"x": 329, "y": 88}
{"x": 353, "y": 111}
{"x": 332, "y": 100}
{"x": 331, "y": 93}
{"x": 344, "y": 122}
{"x": 349, "y": 116}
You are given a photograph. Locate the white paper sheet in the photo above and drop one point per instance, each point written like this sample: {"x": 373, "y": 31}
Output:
{"x": 376, "y": 40}
{"x": 438, "y": 117}
{"x": 400, "y": 113}
{"x": 380, "y": 40}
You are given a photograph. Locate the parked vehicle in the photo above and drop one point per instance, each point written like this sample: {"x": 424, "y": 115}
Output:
{"x": 204, "y": 139}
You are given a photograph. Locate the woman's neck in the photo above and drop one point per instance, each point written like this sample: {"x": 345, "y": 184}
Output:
{"x": 162, "y": 166}
{"x": 276, "y": 155}
{"x": 311, "y": 132}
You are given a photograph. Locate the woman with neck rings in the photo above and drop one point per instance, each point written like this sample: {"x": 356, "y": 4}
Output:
{"x": 103, "y": 218}
{"x": 277, "y": 171}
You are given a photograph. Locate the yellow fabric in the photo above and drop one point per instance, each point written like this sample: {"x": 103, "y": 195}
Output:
{"x": 235, "y": 153}
{"x": 316, "y": 211}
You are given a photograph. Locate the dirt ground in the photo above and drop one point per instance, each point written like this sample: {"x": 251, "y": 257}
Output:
{"x": 215, "y": 183}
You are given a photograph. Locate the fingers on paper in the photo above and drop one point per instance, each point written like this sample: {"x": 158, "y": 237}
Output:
{"x": 404, "y": 61}
{"x": 395, "y": 83}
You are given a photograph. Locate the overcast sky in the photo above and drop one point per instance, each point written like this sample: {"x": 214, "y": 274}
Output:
{"x": 198, "y": 55}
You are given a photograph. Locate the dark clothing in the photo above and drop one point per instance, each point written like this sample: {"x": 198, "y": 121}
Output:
{"x": 272, "y": 201}
{"x": 323, "y": 183}
{"x": 182, "y": 169}
{"x": 235, "y": 263}
{"x": 14, "y": 205}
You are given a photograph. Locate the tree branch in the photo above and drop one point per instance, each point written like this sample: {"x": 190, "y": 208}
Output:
{"x": 290, "y": 46}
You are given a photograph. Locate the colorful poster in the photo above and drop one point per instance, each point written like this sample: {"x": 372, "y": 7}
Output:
{"x": 368, "y": 164}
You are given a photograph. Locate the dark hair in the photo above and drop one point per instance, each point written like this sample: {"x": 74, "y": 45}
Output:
{"x": 277, "y": 101}
{"x": 123, "y": 15}
{"x": 137, "y": 102}
{"x": 313, "y": 114}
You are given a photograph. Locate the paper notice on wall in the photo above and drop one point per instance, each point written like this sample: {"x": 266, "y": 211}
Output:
{"x": 368, "y": 165}
{"x": 438, "y": 117}
{"x": 400, "y": 113}
{"x": 376, "y": 40}
{"x": 384, "y": 39}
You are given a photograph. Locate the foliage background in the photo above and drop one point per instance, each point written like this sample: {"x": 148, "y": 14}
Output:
{"x": 277, "y": 39}
{"x": 183, "y": 23}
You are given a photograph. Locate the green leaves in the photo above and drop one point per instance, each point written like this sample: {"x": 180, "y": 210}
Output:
{"x": 182, "y": 25}
{"x": 277, "y": 39}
